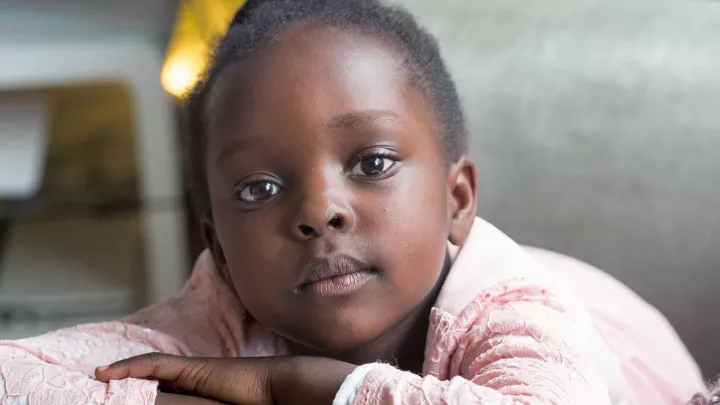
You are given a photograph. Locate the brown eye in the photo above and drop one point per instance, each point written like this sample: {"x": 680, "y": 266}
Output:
{"x": 258, "y": 191}
{"x": 372, "y": 166}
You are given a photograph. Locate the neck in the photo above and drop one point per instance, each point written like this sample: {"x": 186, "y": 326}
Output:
{"x": 402, "y": 345}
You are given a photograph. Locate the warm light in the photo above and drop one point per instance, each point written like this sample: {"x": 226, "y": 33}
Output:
{"x": 199, "y": 23}
{"x": 181, "y": 73}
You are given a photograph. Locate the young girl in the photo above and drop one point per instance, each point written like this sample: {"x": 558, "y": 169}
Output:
{"x": 345, "y": 263}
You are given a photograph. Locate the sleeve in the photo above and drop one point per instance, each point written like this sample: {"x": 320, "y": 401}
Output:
{"x": 58, "y": 368}
{"x": 703, "y": 398}
{"x": 522, "y": 347}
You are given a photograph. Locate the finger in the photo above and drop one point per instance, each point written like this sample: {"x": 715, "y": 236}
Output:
{"x": 153, "y": 365}
{"x": 218, "y": 379}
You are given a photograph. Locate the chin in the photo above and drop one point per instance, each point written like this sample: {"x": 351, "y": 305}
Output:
{"x": 340, "y": 343}
{"x": 342, "y": 333}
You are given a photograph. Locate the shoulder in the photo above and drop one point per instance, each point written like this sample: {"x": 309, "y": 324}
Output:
{"x": 204, "y": 315}
{"x": 209, "y": 318}
{"x": 529, "y": 324}
{"x": 645, "y": 344}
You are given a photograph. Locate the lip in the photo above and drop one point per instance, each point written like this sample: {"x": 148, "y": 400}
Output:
{"x": 334, "y": 275}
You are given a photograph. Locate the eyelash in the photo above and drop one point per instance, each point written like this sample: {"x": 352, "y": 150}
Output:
{"x": 383, "y": 153}
{"x": 245, "y": 185}
{"x": 377, "y": 153}
{"x": 239, "y": 188}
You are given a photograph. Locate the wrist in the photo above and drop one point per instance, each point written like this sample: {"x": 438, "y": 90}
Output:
{"x": 347, "y": 395}
{"x": 309, "y": 380}
{"x": 164, "y": 398}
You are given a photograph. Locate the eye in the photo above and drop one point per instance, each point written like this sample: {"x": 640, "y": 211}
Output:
{"x": 257, "y": 191}
{"x": 373, "y": 165}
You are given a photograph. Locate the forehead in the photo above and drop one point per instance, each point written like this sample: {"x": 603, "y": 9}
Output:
{"x": 314, "y": 70}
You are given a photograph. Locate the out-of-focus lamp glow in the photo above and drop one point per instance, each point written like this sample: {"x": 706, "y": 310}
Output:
{"x": 181, "y": 72}
{"x": 198, "y": 25}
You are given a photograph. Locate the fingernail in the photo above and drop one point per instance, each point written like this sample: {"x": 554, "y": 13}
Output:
{"x": 103, "y": 368}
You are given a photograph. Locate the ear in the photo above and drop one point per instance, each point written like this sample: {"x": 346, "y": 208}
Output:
{"x": 462, "y": 207}
{"x": 213, "y": 244}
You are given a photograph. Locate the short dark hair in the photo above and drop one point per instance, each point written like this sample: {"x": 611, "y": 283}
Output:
{"x": 259, "y": 20}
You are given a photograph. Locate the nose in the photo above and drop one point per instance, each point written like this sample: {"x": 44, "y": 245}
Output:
{"x": 322, "y": 215}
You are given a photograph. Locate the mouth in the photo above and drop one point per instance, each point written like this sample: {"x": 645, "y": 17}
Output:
{"x": 335, "y": 275}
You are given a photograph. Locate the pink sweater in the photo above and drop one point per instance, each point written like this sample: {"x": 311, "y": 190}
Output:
{"x": 512, "y": 325}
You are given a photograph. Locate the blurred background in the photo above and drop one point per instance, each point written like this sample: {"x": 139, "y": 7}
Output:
{"x": 595, "y": 125}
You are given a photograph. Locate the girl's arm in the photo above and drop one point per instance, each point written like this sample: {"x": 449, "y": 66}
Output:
{"x": 523, "y": 347}
{"x": 517, "y": 344}
{"x": 58, "y": 368}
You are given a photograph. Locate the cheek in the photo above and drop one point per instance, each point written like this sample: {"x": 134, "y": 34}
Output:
{"x": 413, "y": 229}
{"x": 418, "y": 202}
{"x": 253, "y": 272}
{"x": 253, "y": 259}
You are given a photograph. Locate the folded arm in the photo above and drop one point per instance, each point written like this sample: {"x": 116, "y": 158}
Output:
{"x": 521, "y": 347}
{"x": 58, "y": 368}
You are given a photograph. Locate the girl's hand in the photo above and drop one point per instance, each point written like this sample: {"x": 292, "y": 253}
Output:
{"x": 173, "y": 399}
{"x": 239, "y": 381}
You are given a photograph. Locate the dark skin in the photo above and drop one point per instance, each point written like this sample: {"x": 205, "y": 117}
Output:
{"x": 319, "y": 145}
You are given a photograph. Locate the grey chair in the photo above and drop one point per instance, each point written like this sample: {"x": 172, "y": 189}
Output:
{"x": 596, "y": 128}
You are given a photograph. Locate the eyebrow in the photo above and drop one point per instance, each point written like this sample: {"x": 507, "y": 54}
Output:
{"x": 349, "y": 120}
{"x": 363, "y": 118}
{"x": 236, "y": 146}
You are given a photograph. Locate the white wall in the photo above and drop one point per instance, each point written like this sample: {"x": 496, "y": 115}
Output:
{"x": 67, "y": 20}
{"x": 63, "y": 43}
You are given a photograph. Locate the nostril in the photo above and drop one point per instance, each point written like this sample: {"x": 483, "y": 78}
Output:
{"x": 306, "y": 230}
{"x": 337, "y": 222}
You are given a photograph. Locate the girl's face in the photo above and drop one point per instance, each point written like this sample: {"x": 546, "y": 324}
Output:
{"x": 332, "y": 202}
